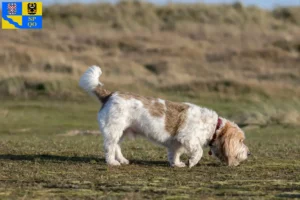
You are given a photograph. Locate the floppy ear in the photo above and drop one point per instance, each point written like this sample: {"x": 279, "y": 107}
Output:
{"x": 228, "y": 143}
{"x": 228, "y": 150}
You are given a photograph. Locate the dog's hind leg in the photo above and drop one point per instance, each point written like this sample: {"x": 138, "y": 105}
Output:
{"x": 113, "y": 153}
{"x": 112, "y": 127}
{"x": 112, "y": 133}
{"x": 110, "y": 147}
{"x": 120, "y": 157}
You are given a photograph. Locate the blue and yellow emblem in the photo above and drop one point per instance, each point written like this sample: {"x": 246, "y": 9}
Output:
{"x": 22, "y": 15}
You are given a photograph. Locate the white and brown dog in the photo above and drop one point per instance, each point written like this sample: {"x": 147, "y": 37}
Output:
{"x": 180, "y": 127}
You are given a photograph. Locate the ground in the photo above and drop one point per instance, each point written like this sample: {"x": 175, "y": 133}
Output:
{"x": 40, "y": 160}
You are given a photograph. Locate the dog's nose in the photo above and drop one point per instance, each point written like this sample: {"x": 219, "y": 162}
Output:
{"x": 248, "y": 154}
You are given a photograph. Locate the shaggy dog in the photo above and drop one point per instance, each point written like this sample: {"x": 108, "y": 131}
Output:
{"x": 180, "y": 127}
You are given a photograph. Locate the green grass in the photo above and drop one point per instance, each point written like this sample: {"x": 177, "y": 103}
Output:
{"x": 38, "y": 162}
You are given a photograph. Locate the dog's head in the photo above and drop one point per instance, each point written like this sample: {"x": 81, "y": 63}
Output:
{"x": 229, "y": 144}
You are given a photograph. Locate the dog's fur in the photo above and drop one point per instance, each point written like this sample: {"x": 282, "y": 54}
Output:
{"x": 180, "y": 127}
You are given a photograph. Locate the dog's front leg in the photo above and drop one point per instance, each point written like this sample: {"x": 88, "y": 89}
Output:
{"x": 174, "y": 157}
{"x": 196, "y": 155}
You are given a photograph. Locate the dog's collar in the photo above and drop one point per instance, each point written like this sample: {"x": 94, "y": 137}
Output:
{"x": 215, "y": 133}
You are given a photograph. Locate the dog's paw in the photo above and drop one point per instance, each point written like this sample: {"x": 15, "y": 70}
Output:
{"x": 113, "y": 163}
{"x": 180, "y": 164}
{"x": 191, "y": 163}
{"x": 124, "y": 161}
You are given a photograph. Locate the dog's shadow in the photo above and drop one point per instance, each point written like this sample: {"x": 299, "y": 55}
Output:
{"x": 82, "y": 159}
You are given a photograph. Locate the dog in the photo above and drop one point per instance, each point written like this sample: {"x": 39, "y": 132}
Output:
{"x": 180, "y": 127}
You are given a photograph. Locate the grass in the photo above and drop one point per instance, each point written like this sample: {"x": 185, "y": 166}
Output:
{"x": 38, "y": 162}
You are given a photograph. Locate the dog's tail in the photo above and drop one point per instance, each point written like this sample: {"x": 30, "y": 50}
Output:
{"x": 89, "y": 81}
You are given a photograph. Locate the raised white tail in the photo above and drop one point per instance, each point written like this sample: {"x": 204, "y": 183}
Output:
{"x": 89, "y": 81}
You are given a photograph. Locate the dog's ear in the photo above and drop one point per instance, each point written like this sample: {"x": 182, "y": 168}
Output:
{"x": 228, "y": 151}
{"x": 228, "y": 139}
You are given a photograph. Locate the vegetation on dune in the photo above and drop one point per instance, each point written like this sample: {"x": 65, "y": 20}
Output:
{"x": 126, "y": 14}
{"x": 220, "y": 52}
{"x": 175, "y": 44}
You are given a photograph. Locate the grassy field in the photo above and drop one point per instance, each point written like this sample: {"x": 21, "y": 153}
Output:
{"x": 40, "y": 159}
